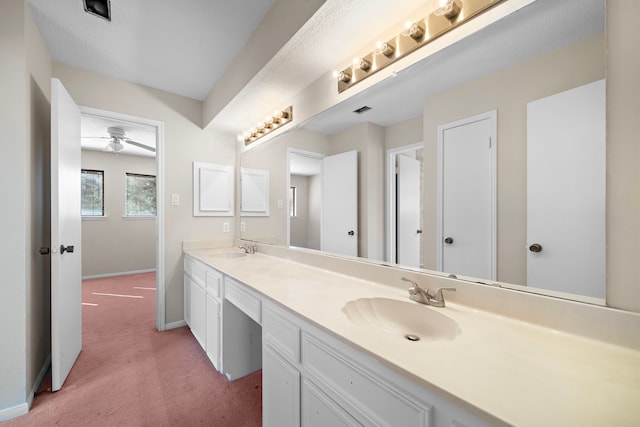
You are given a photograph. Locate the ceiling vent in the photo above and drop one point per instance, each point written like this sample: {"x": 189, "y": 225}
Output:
{"x": 362, "y": 109}
{"x": 101, "y": 8}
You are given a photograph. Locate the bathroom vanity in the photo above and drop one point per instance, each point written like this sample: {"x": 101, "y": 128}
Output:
{"x": 334, "y": 350}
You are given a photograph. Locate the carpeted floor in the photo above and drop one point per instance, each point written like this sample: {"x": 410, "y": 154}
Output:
{"x": 129, "y": 374}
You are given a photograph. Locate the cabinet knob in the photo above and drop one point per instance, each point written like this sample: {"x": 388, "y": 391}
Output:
{"x": 448, "y": 240}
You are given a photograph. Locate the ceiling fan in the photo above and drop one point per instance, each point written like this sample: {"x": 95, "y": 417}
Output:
{"x": 117, "y": 137}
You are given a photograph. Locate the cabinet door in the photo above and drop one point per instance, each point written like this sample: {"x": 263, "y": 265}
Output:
{"x": 187, "y": 300}
{"x": 198, "y": 312}
{"x": 280, "y": 391}
{"x": 213, "y": 330}
{"x": 318, "y": 410}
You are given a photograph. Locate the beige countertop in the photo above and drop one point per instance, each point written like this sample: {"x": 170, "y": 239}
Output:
{"x": 517, "y": 372}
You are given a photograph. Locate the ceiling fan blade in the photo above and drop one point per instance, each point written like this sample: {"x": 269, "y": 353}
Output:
{"x": 95, "y": 137}
{"x": 137, "y": 144}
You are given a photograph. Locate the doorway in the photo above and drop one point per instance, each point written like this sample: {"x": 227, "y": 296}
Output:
{"x": 467, "y": 196}
{"x": 404, "y": 205}
{"x": 304, "y": 202}
{"x": 141, "y": 135}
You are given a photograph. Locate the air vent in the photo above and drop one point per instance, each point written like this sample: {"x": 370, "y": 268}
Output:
{"x": 362, "y": 109}
{"x": 101, "y": 8}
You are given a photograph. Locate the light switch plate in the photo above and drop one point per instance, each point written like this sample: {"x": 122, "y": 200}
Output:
{"x": 175, "y": 200}
{"x": 280, "y": 204}
{"x": 243, "y": 226}
{"x": 225, "y": 227}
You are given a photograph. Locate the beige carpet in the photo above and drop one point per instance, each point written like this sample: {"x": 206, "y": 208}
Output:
{"x": 129, "y": 374}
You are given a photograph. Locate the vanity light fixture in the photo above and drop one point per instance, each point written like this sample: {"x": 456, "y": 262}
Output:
{"x": 275, "y": 121}
{"x": 385, "y": 48}
{"x": 416, "y": 31}
{"x": 450, "y": 9}
{"x": 364, "y": 64}
{"x": 448, "y": 15}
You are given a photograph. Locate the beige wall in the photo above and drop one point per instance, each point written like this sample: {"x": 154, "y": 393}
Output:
{"x": 25, "y": 68}
{"x": 38, "y": 307}
{"x": 117, "y": 244}
{"x": 623, "y": 155}
{"x": 184, "y": 142}
{"x": 508, "y": 92}
{"x": 405, "y": 133}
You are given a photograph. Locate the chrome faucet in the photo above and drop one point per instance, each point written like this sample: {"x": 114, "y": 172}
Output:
{"x": 427, "y": 296}
{"x": 248, "y": 248}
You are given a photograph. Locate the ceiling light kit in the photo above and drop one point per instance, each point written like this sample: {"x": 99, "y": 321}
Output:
{"x": 100, "y": 8}
{"x": 448, "y": 15}
{"x": 271, "y": 123}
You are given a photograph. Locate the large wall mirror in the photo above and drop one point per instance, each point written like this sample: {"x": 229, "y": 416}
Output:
{"x": 452, "y": 149}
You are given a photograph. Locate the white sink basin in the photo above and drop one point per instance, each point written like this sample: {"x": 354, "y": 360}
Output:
{"x": 406, "y": 319}
{"x": 228, "y": 255}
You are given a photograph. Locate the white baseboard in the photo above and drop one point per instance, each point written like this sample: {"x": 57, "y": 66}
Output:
{"x": 38, "y": 381}
{"x": 14, "y": 411}
{"x": 121, "y": 273}
{"x": 174, "y": 325}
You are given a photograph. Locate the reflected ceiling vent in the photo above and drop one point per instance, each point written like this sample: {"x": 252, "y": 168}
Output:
{"x": 362, "y": 109}
{"x": 101, "y": 8}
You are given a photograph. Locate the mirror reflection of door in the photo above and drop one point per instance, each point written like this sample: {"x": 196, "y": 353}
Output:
{"x": 404, "y": 223}
{"x": 323, "y": 201}
{"x": 566, "y": 163}
{"x": 466, "y": 196}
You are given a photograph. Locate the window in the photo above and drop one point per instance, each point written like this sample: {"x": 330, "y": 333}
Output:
{"x": 140, "y": 195}
{"x": 92, "y": 192}
{"x": 293, "y": 208}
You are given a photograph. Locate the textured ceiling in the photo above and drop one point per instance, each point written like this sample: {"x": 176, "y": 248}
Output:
{"x": 182, "y": 47}
{"x": 543, "y": 26}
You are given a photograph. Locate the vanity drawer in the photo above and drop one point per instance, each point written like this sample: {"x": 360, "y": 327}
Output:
{"x": 196, "y": 271}
{"x": 282, "y": 333}
{"x": 214, "y": 282}
{"x": 364, "y": 395}
{"x": 243, "y": 298}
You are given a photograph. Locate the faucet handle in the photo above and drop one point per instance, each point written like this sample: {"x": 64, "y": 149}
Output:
{"x": 438, "y": 296}
{"x": 417, "y": 287}
{"x": 410, "y": 281}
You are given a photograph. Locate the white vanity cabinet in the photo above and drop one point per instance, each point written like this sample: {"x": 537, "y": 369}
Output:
{"x": 311, "y": 379}
{"x": 195, "y": 298}
{"x": 203, "y": 293}
{"x": 214, "y": 316}
{"x": 280, "y": 368}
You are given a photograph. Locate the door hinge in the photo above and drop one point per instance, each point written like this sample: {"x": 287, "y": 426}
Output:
{"x": 489, "y": 142}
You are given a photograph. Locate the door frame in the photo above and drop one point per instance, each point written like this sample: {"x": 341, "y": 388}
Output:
{"x": 492, "y": 116}
{"x": 298, "y": 152}
{"x": 160, "y": 214}
{"x": 392, "y": 153}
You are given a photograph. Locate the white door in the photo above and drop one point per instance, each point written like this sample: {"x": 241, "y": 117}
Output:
{"x": 466, "y": 152}
{"x": 340, "y": 203}
{"x": 66, "y": 283}
{"x": 408, "y": 211}
{"x": 566, "y": 159}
